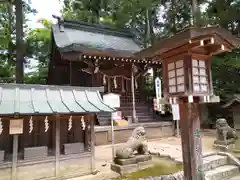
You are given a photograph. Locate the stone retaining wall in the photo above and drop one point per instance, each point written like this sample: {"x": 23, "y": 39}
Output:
{"x": 175, "y": 176}
{"x": 154, "y": 130}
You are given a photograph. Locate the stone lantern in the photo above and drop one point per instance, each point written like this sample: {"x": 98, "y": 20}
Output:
{"x": 187, "y": 78}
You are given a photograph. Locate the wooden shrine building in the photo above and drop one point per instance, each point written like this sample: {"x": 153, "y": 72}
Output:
{"x": 233, "y": 105}
{"x": 91, "y": 55}
{"x": 54, "y": 126}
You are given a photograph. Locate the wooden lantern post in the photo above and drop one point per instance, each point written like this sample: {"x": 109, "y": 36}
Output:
{"x": 186, "y": 62}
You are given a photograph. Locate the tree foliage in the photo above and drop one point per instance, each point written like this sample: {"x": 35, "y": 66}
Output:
{"x": 149, "y": 20}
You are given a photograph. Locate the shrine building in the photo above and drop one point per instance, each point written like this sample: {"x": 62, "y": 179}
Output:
{"x": 89, "y": 55}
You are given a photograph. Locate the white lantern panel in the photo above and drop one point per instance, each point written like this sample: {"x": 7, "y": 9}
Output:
{"x": 196, "y": 79}
{"x": 195, "y": 63}
{"x": 170, "y": 66}
{"x": 203, "y": 80}
{"x": 179, "y": 64}
{"x": 172, "y": 89}
{"x": 202, "y": 72}
{"x": 203, "y": 87}
{"x": 180, "y": 72}
{"x": 196, "y": 87}
{"x": 180, "y": 88}
{"x": 171, "y": 74}
{"x": 202, "y": 64}
{"x": 172, "y": 81}
{"x": 195, "y": 71}
{"x": 180, "y": 80}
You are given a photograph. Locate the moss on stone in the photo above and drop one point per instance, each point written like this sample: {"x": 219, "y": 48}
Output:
{"x": 159, "y": 169}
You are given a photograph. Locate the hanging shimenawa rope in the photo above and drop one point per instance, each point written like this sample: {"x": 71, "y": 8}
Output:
{"x": 136, "y": 77}
{"x": 115, "y": 82}
{"x": 104, "y": 80}
{"x": 136, "y": 84}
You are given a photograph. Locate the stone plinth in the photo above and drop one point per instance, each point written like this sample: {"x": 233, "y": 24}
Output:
{"x": 223, "y": 147}
{"x": 134, "y": 160}
{"x": 126, "y": 166}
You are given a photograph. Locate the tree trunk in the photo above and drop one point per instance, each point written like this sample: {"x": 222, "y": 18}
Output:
{"x": 19, "y": 42}
{"x": 196, "y": 13}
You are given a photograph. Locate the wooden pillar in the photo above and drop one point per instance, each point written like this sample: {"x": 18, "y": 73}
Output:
{"x": 15, "y": 157}
{"x": 57, "y": 145}
{"x": 109, "y": 84}
{"x": 90, "y": 118}
{"x": 19, "y": 42}
{"x": 134, "y": 116}
{"x": 191, "y": 141}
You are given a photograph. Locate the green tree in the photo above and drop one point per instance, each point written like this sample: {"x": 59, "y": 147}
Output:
{"x": 38, "y": 48}
{"x": 8, "y": 39}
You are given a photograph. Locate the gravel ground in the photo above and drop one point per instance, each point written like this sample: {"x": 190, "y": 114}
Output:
{"x": 170, "y": 146}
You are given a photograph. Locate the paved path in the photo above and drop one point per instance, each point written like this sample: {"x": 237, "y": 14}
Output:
{"x": 168, "y": 147}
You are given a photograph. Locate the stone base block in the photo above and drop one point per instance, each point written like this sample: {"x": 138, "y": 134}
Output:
{"x": 134, "y": 160}
{"x": 35, "y": 152}
{"x": 124, "y": 169}
{"x": 142, "y": 158}
{"x": 224, "y": 147}
{"x": 125, "y": 161}
{"x": 130, "y": 168}
{"x": 73, "y": 148}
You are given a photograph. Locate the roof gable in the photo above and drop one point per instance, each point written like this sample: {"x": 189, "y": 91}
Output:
{"x": 87, "y": 38}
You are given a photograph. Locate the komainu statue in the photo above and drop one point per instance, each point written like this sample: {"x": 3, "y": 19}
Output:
{"x": 137, "y": 142}
{"x": 225, "y": 134}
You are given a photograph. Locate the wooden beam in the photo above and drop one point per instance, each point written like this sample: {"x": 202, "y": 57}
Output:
{"x": 15, "y": 157}
{"x": 93, "y": 168}
{"x": 57, "y": 146}
{"x": 191, "y": 140}
{"x": 134, "y": 116}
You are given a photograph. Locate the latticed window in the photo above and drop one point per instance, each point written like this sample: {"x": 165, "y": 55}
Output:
{"x": 176, "y": 76}
{"x": 199, "y": 72}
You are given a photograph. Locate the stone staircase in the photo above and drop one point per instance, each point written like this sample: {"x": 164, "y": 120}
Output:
{"x": 144, "y": 113}
{"x": 221, "y": 166}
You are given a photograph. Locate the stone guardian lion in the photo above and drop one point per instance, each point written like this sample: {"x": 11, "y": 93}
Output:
{"x": 225, "y": 134}
{"x": 137, "y": 142}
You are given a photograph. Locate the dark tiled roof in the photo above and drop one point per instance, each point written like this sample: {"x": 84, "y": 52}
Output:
{"x": 25, "y": 99}
{"x": 72, "y": 35}
{"x": 234, "y": 100}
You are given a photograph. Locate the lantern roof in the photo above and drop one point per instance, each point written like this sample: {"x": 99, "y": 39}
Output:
{"x": 193, "y": 36}
{"x": 87, "y": 38}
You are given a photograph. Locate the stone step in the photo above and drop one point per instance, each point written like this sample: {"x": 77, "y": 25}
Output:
{"x": 221, "y": 173}
{"x": 214, "y": 161}
{"x": 237, "y": 177}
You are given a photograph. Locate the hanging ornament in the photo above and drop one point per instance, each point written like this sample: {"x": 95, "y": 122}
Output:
{"x": 30, "y": 125}
{"x": 83, "y": 123}
{"x": 46, "y": 124}
{"x": 104, "y": 80}
{"x": 1, "y": 126}
{"x": 115, "y": 82}
{"x": 70, "y": 123}
{"x": 136, "y": 84}
{"x": 123, "y": 85}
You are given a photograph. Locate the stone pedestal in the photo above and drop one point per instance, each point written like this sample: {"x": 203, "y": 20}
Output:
{"x": 126, "y": 166}
{"x": 223, "y": 147}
